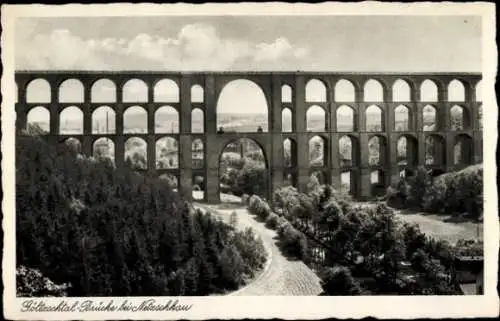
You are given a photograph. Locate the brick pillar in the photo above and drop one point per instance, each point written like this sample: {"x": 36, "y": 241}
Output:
{"x": 334, "y": 160}
{"x": 276, "y": 170}
{"x": 54, "y": 110}
{"x": 211, "y": 149}
{"x": 185, "y": 152}
{"x": 391, "y": 166}
{"x": 87, "y": 110}
{"x": 119, "y": 140}
{"x": 364, "y": 183}
{"x": 478, "y": 147}
{"x": 21, "y": 112}
{"x": 151, "y": 154}
{"x": 449, "y": 147}
{"x": 299, "y": 112}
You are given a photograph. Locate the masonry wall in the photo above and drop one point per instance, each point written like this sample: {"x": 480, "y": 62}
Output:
{"x": 271, "y": 141}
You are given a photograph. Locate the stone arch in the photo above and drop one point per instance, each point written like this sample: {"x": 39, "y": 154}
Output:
{"x": 167, "y": 153}
{"x": 428, "y": 91}
{"x": 71, "y": 91}
{"x": 104, "y": 148}
{"x": 103, "y": 120}
{"x": 429, "y": 118}
{"x": 374, "y": 119}
{"x": 316, "y": 119}
{"x": 316, "y": 91}
{"x": 289, "y": 153}
{"x": 479, "y": 91}
{"x": 71, "y": 121}
{"x": 407, "y": 150}
{"x": 135, "y": 120}
{"x": 456, "y": 90}
{"x": 238, "y": 154}
{"x": 348, "y": 151}
{"x": 346, "y": 120}
{"x": 166, "y": 91}
{"x": 377, "y": 149}
{"x": 462, "y": 150}
{"x": 197, "y": 121}
{"x": 401, "y": 91}
{"x": 166, "y": 120}
{"x": 38, "y": 91}
{"x": 345, "y": 91}
{"x": 197, "y": 94}
{"x": 373, "y": 91}
{"x": 402, "y": 119}
{"x": 197, "y": 153}
{"x": 136, "y": 153}
{"x": 318, "y": 151}
{"x": 286, "y": 120}
{"x": 74, "y": 144}
{"x": 135, "y": 91}
{"x": 39, "y": 116}
{"x": 249, "y": 96}
{"x": 435, "y": 150}
{"x": 103, "y": 91}
{"x": 286, "y": 94}
{"x": 459, "y": 118}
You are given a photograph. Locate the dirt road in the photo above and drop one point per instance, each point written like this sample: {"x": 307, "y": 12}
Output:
{"x": 280, "y": 276}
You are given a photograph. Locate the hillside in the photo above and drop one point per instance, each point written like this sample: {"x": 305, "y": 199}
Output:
{"x": 113, "y": 232}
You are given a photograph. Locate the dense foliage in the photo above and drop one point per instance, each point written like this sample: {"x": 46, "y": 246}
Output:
{"x": 31, "y": 283}
{"x": 452, "y": 193}
{"x": 114, "y": 232}
{"x": 247, "y": 175}
{"x": 359, "y": 250}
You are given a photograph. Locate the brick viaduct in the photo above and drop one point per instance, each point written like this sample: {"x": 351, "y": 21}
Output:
{"x": 271, "y": 141}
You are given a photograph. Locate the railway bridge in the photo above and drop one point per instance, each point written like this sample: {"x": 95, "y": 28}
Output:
{"x": 442, "y": 127}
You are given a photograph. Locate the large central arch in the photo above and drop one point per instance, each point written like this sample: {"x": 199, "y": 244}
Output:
{"x": 242, "y": 107}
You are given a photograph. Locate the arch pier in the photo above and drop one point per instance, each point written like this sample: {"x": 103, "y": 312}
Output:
{"x": 417, "y": 119}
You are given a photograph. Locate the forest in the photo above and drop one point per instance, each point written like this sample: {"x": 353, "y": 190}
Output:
{"x": 101, "y": 231}
{"x": 365, "y": 250}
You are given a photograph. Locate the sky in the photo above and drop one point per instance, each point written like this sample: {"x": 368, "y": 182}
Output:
{"x": 267, "y": 43}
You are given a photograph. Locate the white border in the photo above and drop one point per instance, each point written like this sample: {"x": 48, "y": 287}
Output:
{"x": 267, "y": 307}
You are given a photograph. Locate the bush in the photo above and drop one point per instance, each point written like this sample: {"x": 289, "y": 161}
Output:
{"x": 272, "y": 221}
{"x": 245, "y": 198}
{"x": 232, "y": 267}
{"x": 251, "y": 249}
{"x": 457, "y": 193}
{"x": 31, "y": 283}
{"x": 259, "y": 207}
{"x": 295, "y": 243}
{"x": 339, "y": 281}
{"x": 283, "y": 225}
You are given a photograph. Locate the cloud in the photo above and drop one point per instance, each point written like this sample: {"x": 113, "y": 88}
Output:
{"x": 195, "y": 47}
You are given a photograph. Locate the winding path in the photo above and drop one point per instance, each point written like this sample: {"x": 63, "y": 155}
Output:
{"x": 280, "y": 275}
